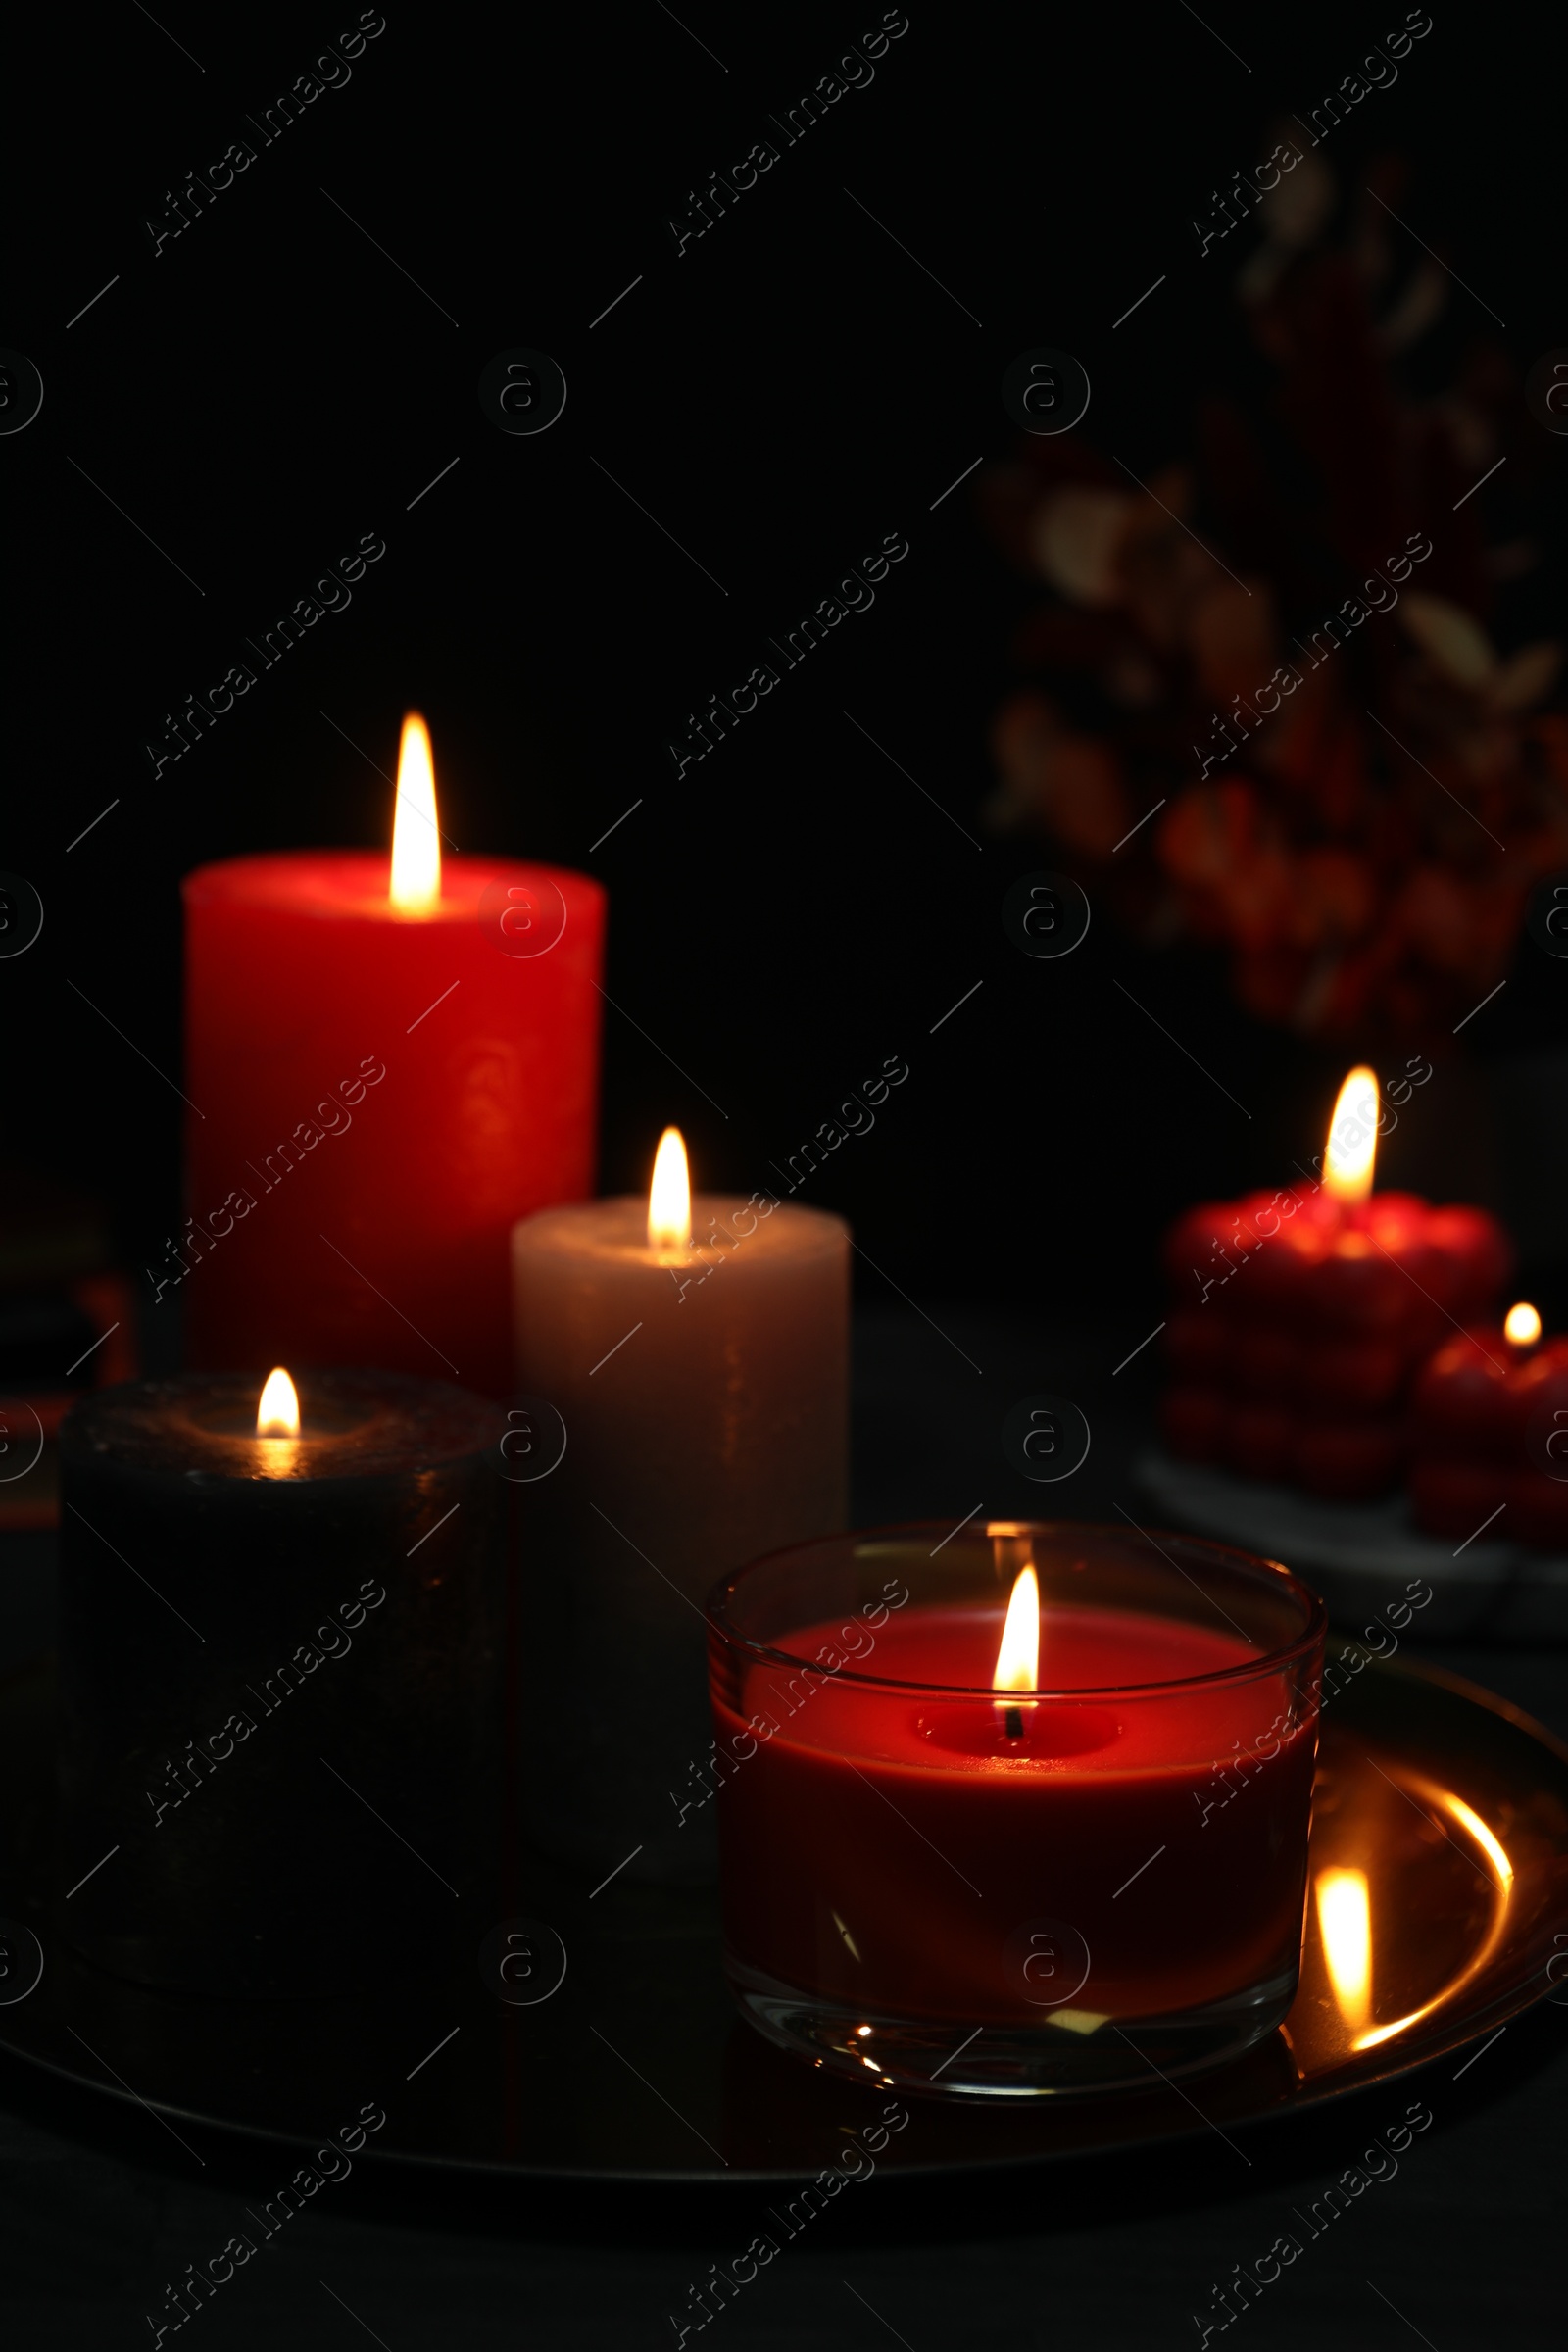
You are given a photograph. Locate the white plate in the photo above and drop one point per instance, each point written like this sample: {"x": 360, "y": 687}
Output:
{"x": 1361, "y": 1555}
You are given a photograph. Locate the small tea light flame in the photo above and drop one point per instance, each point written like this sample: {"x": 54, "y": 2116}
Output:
{"x": 1344, "y": 1924}
{"x": 1018, "y": 1658}
{"x": 416, "y": 836}
{"x": 1348, "y": 1161}
{"x": 279, "y": 1413}
{"x": 1522, "y": 1325}
{"x": 669, "y": 1195}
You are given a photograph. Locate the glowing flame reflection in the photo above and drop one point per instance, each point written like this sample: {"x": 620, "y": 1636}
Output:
{"x": 1345, "y": 1925}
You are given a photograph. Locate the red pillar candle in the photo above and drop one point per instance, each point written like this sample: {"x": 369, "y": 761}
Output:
{"x": 384, "y": 1072}
{"x": 1489, "y": 1435}
{"x": 1300, "y": 1318}
{"x": 942, "y": 1859}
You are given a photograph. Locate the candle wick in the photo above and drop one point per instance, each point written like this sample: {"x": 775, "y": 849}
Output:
{"x": 1012, "y": 1723}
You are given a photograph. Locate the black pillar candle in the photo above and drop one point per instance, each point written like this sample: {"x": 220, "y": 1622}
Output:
{"x": 279, "y": 1676}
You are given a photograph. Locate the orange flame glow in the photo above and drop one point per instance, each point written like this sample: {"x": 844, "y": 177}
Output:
{"x": 669, "y": 1195}
{"x": 1018, "y": 1658}
{"x": 415, "y": 837}
{"x": 1500, "y": 1871}
{"x": 279, "y": 1413}
{"x": 1352, "y": 1145}
{"x": 1344, "y": 1924}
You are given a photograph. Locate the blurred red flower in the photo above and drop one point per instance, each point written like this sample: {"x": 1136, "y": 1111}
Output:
{"x": 1364, "y": 847}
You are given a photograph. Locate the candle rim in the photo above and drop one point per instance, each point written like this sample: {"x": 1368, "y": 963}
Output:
{"x": 261, "y": 879}
{"x": 568, "y": 1219}
{"x": 1269, "y": 1661}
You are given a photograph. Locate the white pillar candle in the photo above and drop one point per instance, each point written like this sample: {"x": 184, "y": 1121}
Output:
{"x": 697, "y": 1353}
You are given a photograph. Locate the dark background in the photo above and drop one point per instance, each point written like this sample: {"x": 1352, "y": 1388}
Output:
{"x": 783, "y": 394}
{"x": 783, "y": 918}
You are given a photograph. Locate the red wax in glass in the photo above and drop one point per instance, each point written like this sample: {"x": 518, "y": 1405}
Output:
{"x": 1490, "y": 1440}
{"x": 1298, "y": 1325}
{"x": 391, "y": 1081}
{"x": 883, "y": 1844}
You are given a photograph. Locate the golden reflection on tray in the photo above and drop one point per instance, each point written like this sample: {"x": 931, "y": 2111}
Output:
{"x": 1388, "y": 1946}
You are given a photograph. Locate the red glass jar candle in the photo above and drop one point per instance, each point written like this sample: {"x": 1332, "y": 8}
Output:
{"x": 1300, "y": 1318}
{"x": 1489, "y": 1435}
{"x": 1041, "y": 1887}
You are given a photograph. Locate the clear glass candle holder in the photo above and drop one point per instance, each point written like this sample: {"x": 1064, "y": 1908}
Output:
{"x": 1023, "y": 1891}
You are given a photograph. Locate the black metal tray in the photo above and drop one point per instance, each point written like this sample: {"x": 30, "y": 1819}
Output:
{"x": 635, "y": 2066}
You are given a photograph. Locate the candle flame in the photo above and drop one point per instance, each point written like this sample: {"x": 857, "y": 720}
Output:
{"x": 1018, "y": 1658}
{"x": 1344, "y": 1924}
{"x": 1522, "y": 1325}
{"x": 415, "y": 837}
{"x": 669, "y": 1195}
{"x": 1352, "y": 1138}
{"x": 279, "y": 1413}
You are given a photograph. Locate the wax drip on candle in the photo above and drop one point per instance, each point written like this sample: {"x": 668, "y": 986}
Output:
{"x": 1351, "y": 1152}
{"x": 669, "y": 1195}
{"x": 1018, "y": 1656}
{"x": 416, "y": 836}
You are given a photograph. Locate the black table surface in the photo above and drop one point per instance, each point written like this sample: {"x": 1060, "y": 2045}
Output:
{"x": 1456, "y": 2247}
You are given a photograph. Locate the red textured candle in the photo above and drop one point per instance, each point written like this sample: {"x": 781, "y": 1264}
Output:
{"x": 1300, "y": 1318}
{"x": 1490, "y": 1438}
{"x": 378, "y": 1092}
{"x": 908, "y": 1850}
